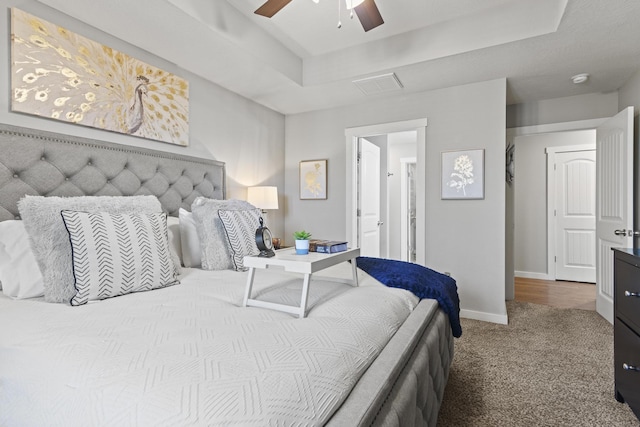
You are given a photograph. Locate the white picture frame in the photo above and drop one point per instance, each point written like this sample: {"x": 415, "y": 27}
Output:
{"x": 462, "y": 176}
{"x": 313, "y": 179}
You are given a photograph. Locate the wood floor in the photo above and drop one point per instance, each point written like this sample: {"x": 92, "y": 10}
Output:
{"x": 556, "y": 293}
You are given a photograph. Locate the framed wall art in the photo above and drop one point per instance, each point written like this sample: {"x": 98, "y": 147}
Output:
{"x": 61, "y": 75}
{"x": 462, "y": 174}
{"x": 313, "y": 179}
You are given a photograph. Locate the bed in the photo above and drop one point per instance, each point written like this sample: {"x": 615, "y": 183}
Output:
{"x": 189, "y": 354}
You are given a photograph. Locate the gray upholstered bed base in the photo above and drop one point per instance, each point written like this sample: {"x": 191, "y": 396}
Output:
{"x": 43, "y": 163}
{"x": 403, "y": 387}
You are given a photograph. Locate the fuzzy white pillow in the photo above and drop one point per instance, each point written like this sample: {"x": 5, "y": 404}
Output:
{"x": 19, "y": 272}
{"x": 50, "y": 241}
{"x": 215, "y": 249}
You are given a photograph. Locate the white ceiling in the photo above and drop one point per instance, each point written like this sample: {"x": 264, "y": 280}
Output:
{"x": 300, "y": 61}
{"x": 310, "y": 29}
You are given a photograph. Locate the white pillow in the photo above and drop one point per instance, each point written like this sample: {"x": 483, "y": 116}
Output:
{"x": 190, "y": 242}
{"x": 19, "y": 272}
{"x": 117, "y": 254}
{"x": 173, "y": 231}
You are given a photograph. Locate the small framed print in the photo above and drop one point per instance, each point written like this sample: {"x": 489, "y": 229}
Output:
{"x": 462, "y": 174}
{"x": 313, "y": 179}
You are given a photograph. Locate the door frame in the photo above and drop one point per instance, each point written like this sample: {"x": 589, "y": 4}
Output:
{"x": 512, "y": 134}
{"x": 551, "y": 201}
{"x": 351, "y": 143}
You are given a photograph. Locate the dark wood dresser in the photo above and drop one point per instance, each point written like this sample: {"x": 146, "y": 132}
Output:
{"x": 626, "y": 327}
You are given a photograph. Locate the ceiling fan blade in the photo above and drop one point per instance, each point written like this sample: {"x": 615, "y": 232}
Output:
{"x": 369, "y": 15}
{"x": 271, "y": 7}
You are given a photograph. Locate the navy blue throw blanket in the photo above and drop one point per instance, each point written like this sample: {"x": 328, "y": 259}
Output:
{"x": 421, "y": 281}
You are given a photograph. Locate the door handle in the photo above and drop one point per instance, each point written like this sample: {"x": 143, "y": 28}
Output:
{"x": 380, "y": 223}
{"x": 620, "y": 232}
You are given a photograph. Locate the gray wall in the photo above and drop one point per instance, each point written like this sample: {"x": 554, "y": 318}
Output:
{"x": 509, "y": 258}
{"x": 629, "y": 95}
{"x": 464, "y": 237}
{"x": 560, "y": 110}
{"x": 530, "y": 192}
{"x": 223, "y": 125}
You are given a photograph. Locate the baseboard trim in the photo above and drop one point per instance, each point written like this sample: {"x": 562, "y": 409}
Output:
{"x": 533, "y": 275}
{"x": 501, "y": 319}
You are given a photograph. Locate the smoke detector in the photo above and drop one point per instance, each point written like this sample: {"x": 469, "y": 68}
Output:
{"x": 580, "y": 78}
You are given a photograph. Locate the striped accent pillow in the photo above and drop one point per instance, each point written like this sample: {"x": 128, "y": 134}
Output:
{"x": 240, "y": 227}
{"x": 116, "y": 254}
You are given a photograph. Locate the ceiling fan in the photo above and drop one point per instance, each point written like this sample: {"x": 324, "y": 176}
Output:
{"x": 367, "y": 11}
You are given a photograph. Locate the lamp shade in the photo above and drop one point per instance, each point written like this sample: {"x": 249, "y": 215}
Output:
{"x": 263, "y": 197}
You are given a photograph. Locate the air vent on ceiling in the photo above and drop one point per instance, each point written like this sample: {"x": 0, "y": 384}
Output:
{"x": 379, "y": 84}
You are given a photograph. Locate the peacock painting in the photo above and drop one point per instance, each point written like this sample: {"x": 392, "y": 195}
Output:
{"x": 64, "y": 76}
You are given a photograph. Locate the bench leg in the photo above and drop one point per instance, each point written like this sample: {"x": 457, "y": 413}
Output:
{"x": 305, "y": 295}
{"x": 247, "y": 291}
{"x": 354, "y": 270}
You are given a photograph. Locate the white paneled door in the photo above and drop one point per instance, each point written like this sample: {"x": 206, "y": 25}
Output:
{"x": 614, "y": 201}
{"x": 369, "y": 199}
{"x": 575, "y": 215}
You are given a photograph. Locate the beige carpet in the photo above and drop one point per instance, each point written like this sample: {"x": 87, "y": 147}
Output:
{"x": 548, "y": 367}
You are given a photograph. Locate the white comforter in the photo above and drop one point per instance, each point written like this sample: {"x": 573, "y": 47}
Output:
{"x": 191, "y": 355}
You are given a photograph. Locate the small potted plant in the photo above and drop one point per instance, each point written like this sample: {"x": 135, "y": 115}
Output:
{"x": 302, "y": 242}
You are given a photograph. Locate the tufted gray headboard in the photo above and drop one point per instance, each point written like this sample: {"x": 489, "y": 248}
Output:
{"x": 49, "y": 164}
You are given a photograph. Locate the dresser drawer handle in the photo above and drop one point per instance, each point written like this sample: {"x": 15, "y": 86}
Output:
{"x": 627, "y": 367}
{"x": 631, "y": 294}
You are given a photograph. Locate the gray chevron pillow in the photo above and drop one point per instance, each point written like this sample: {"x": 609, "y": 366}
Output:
{"x": 240, "y": 228}
{"x": 116, "y": 254}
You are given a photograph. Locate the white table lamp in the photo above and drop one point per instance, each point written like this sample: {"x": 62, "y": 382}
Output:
{"x": 263, "y": 197}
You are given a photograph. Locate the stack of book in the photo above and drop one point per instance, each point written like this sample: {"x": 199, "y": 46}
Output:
{"x": 327, "y": 246}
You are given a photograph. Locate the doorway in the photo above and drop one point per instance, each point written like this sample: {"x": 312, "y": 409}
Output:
{"x": 533, "y": 268}
{"x": 355, "y": 186}
{"x": 387, "y": 196}
{"x": 615, "y": 195}
{"x": 534, "y": 199}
